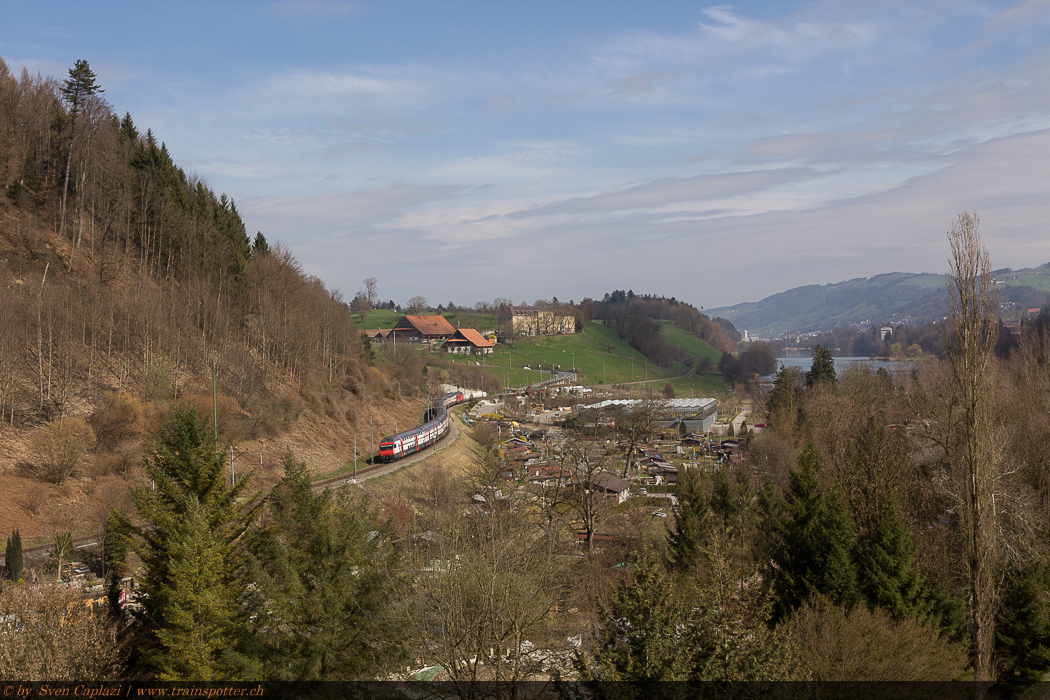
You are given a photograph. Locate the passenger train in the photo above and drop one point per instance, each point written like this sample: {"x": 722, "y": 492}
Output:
{"x": 410, "y": 441}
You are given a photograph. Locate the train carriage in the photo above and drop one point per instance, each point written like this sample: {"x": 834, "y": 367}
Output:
{"x": 395, "y": 447}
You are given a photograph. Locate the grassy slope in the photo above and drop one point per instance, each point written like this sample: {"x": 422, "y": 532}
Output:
{"x": 599, "y": 355}
{"x": 684, "y": 340}
{"x": 708, "y": 385}
{"x": 1037, "y": 279}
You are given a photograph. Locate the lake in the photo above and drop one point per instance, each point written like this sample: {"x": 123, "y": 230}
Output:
{"x": 841, "y": 363}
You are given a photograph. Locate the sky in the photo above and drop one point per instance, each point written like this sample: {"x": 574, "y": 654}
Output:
{"x": 464, "y": 151}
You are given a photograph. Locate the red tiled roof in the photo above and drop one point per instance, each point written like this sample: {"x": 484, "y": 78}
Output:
{"x": 473, "y": 337}
{"x": 427, "y": 325}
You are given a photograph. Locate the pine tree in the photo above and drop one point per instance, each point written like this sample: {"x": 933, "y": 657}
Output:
{"x": 200, "y": 608}
{"x": 723, "y": 501}
{"x": 685, "y": 538}
{"x": 323, "y": 579}
{"x": 78, "y": 87}
{"x": 889, "y": 575}
{"x": 823, "y": 368}
{"x": 1022, "y": 630}
{"x": 784, "y": 404}
{"x": 731, "y": 639}
{"x": 13, "y": 557}
{"x": 642, "y": 636}
{"x": 814, "y": 543}
{"x": 188, "y": 472}
{"x": 260, "y": 247}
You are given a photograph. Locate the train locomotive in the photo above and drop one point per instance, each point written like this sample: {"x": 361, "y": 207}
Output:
{"x": 433, "y": 429}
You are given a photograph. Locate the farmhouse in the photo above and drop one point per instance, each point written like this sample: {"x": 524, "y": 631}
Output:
{"x": 422, "y": 329}
{"x": 467, "y": 341}
{"x": 518, "y": 321}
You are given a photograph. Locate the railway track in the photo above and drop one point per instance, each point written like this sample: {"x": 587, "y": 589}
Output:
{"x": 370, "y": 472}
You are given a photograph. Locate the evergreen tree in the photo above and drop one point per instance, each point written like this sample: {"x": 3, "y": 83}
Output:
{"x": 685, "y": 537}
{"x": 79, "y": 86}
{"x": 642, "y": 636}
{"x": 323, "y": 581}
{"x": 814, "y": 543}
{"x": 201, "y": 611}
{"x": 188, "y": 472}
{"x": 1022, "y": 630}
{"x": 731, "y": 639}
{"x": 723, "y": 500}
{"x": 260, "y": 246}
{"x": 13, "y": 557}
{"x": 890, "y": 578}
{"x": 784, "y": 404}
{"x": 823, "y": 368}
{"x": 115, "y": 549}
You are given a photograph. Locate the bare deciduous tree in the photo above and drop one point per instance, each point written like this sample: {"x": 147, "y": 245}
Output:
{"x": 974, "y": 454}
{"x": 417, "y": 304}
{"x": 371, "y": 291}
{"x": 486, "y": 597}
{"x": 60, "y": 445}
{"x": 52, "y": 634}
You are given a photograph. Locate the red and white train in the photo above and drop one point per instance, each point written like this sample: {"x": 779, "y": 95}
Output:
{"x": 410, "y": 441}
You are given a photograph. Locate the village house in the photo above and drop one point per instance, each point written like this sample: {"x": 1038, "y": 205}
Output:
{"x": 610, "y": 486}
{"x": 425, "y": 329}
{"x": 467, "y": 341}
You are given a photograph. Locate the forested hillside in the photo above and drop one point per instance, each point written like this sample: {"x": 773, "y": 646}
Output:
{"x": 125, "y": 283}
{"x": 636, "y": 319}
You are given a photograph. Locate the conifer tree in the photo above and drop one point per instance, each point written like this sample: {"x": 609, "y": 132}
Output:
{"x": 201, "y": 611}
{"x": 723, "y": 501}
{"x": 13, "y": 557}
{"x": 324, "y": 579}
{"x": 822, "y": 370}
{"x": 686, "y": 535}
{"x": 78, "y": 87}
{"x": 814, "y": 543}
{"x": 641, "y": 633}
{"x": 731, "y": 639}
{"x": 1022, "y": 630}
{"x": 188, "y": 473}
{"x": 889, "y": 575}
{"x": 784, "y": 405}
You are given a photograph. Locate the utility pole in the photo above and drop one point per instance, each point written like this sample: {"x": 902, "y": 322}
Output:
{"x": 355, "y": 459}
{"x": 371, "y": 442}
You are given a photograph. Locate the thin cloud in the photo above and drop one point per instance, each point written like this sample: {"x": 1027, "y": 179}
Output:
{"x": 665, "y": 191}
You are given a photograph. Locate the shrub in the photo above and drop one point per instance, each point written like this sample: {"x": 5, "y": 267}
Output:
{"x": 60, "y": 445}
{"x": 866, "y": 645}
{"x": 120, "y": 418}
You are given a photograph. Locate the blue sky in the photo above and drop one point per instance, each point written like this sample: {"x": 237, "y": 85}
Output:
{"x": 469, "y": 150}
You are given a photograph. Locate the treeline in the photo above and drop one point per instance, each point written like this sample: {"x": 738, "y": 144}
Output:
{"x": 125, "y": 275}
{"x": 900, "y": 341}
{"x": 635, "y": 319}
{"x": 757, "y": 359}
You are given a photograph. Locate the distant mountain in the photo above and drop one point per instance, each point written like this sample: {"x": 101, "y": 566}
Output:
{"x": 894, "y": 298}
